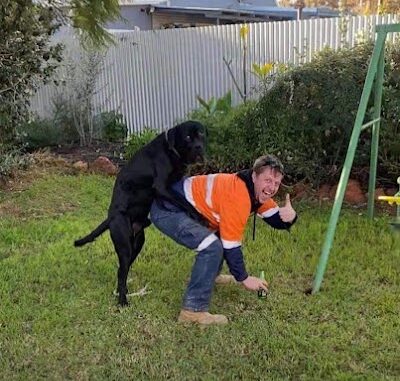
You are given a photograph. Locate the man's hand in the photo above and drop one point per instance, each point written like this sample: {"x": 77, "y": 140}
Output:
{"x": 254, "y": 284}
{"x": 287, "y": 213}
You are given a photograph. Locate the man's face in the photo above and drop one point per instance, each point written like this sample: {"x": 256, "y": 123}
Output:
{"x": 266, "y": 184}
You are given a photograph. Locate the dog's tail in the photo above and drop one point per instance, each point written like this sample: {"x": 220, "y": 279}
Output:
{"x": 93, "y": 235}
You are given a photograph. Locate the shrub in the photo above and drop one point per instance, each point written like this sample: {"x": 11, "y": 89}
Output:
{"x": 216, "y": 105}
{"x": 389, "y": 147}
{"x": 12, "y": 159}
{"x": 39, "y": 133}
{"x": 74, "y": 101}
{"x": 112, "y": 126}
{"x": 308, "y": 114}
{"x": 225, "y": 149}
{"x": 231, "y": 142}
{"x": 137, "y": 141}
{"x": 27, "y": 58}
{"x": 305, "y": 116}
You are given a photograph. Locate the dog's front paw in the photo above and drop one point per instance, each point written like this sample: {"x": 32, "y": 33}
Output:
{"x": 123, "y": 301}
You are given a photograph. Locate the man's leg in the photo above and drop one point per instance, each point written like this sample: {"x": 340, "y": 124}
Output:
{"x": 204, "y": 270}
{"x": 181, "y": 228}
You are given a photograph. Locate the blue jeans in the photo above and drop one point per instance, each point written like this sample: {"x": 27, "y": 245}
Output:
{"x": 176, "y": 224}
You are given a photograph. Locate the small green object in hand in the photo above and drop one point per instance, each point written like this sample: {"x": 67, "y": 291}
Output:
{"x": 261, "y": 292}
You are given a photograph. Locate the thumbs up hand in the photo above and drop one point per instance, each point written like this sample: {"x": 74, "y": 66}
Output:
{"x": 286, "y": 212}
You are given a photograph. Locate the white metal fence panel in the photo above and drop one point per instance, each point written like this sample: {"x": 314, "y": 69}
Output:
{"x": 153, "y": 77}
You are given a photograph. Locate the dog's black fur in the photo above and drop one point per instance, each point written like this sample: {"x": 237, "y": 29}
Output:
{"x": 147, "y": 175}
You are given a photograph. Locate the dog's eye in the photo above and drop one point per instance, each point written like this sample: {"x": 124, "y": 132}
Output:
{"x": 188, "y": 138}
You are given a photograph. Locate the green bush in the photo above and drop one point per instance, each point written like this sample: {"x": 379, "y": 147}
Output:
{"x": 39, "y": 133}
{"x": 137, "y": 141}
{"x": 27, "y": 58}
{"x": 74, "y": 101}
{"x": 389, "y": 147}
{"x": 308, "y": 114}
{"x": 216, "y": 105}
{"x": 305, "y": 116}
{"x": 230, "y": 144}
{"x": 59, "y": 130}
{"x": 112, "y": 126}
{"x": 12, "y": 159}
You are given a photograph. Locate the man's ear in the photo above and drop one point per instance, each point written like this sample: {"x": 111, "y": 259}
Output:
{"x": 253, "y": 176}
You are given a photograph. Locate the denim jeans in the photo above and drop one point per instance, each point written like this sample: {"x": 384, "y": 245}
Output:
{"x": 176, "y": 224}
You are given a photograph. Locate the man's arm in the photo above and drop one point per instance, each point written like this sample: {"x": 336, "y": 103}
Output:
{"x": 235, "y": 262}
{"x": 283, "y": 217}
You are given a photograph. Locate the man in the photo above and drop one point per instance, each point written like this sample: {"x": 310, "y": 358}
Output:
{"x": 225, "y": 201}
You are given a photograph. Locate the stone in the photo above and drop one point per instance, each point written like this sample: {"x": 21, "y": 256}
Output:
{"x": 324, "y": 192}
{"x": 353, "y": 193}
{"x": 104, "y": 165}
{"x": 300, "y": 190}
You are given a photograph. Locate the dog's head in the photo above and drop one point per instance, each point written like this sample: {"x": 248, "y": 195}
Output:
{"x": 188, "y": 140}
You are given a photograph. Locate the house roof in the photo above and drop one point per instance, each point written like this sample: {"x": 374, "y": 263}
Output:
{"x": 140, "y": 2}
{"x": 248, "y": 11}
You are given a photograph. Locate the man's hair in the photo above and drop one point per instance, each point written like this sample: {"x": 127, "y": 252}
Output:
{"x": 269, "y": 161}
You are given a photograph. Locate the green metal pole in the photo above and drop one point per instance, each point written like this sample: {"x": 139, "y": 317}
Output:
{"x": 375, "y": 131}
{"x": 344, "y": 177}
{"x": 388, "y": 28}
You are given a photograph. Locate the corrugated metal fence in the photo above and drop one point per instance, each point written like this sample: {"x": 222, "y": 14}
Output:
{"x": 153, "y": 77}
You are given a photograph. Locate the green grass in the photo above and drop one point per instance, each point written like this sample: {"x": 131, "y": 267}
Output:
{"x": 59, "y": 319}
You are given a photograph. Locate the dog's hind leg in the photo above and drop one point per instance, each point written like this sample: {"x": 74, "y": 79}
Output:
{"x": 137, "y": 242}
{"x": 121, "y": 235}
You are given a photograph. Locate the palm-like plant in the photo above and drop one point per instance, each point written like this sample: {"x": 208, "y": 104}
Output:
{"x": 88, "y": 16}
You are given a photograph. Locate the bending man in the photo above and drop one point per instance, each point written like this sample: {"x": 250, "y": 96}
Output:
{"x": 226, "y": 201}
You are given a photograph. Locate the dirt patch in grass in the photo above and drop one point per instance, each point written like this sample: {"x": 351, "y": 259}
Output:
{"x": 73, "y": 153}
{"x": 60, "y": 160}
{"x": 42, "y": 163}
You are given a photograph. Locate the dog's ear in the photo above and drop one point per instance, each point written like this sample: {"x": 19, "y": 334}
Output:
{"x": 201, "y": 128}
{"x": 170, "y": 137}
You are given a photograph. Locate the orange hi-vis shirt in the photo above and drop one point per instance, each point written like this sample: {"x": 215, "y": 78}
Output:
{"x": 224, "y": 200}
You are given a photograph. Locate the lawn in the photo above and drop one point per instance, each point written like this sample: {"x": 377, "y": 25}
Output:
{"x": 59, "y": 319}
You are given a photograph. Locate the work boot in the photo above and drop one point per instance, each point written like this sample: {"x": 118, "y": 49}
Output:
{"x": 203, "y": 318}
{"x": 224, "y": 279}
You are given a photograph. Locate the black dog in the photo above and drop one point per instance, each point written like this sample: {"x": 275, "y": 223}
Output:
{"x": 147, "y": 175}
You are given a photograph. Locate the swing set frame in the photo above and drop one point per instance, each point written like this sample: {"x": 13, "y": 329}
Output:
{"x": 373, "y": 81}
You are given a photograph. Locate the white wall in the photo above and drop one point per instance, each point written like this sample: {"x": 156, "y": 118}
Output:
{"x": 221, "y": 3}
{"x": 134, "y": 19}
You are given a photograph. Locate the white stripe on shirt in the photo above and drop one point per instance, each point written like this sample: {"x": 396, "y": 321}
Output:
{"x": 269, "y": 212}
{"x": 187, "y": 188}
{"x": 230, "y": 244}
{"x": 209, "y": 189}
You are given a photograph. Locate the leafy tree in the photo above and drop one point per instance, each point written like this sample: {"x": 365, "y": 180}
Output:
{"x": 89, "y": 16}
{"x": 26, "y": 59}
